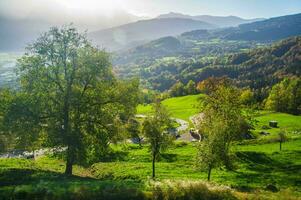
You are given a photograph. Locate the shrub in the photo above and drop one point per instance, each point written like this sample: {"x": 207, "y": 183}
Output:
{"x": 189, "y": 191}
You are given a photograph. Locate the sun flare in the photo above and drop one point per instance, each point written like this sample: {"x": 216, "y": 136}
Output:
{"x": 93, "y": 5}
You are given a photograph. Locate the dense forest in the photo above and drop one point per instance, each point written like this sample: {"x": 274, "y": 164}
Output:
{"x": 258, "y": 69}
{"x": 256, "y": 62}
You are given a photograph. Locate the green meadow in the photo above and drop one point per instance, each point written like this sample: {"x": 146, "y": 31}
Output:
{"x": 179, "y": 107}
{"x": 257, "y": 164}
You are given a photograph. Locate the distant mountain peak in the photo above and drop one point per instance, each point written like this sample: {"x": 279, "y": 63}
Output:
{"x": 140, "y": 32}
{"x": 220, "y": 21}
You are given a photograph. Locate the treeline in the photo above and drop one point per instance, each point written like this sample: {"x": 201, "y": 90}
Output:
{"x": 285, "y": 96}
{"x": 258, "y": 69}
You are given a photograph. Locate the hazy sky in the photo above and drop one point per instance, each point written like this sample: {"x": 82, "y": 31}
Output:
{"x": 96, "y": 10}
{"x": 242, "y": 8}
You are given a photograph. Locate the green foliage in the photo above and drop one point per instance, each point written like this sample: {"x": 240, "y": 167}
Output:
{"x": 281, "y": 138}
{"x": 6, "y": 139}
{"x": 247, "y": 97}
{"x": 210, "y": 58}
{"x": 178, "y": 89}
{"x": 285, "y": 96}
{"x": 156, "y": 130}
{"x": 22, "y": 121}
{"x": 134, "y": 129}
{"x": 222, "y": 124}
{"x": 75, "y": 94}
{"x": 190, "y": 88}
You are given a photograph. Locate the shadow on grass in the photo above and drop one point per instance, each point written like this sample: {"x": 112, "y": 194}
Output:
{"x": 40, "y": 184}
{"x": 11, "y": 177}
{"x": 264, "y": 169}
{"x": 168, "y": 157}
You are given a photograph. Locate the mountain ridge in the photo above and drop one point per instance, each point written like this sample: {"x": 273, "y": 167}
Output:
{"x": 145, "y": 30}
{"x": 221, "y": 21}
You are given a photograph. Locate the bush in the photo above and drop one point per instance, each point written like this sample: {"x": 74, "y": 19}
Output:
{"x": 189, "y": 191}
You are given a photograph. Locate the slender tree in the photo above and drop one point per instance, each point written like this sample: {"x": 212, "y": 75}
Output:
{"x": 222, "y": 124}
{"x": 281, "y": 138}
{"x": 156, "y": 128}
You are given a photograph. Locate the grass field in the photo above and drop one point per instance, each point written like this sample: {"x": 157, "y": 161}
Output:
{"x": 179, "y": 107}
{"x": 287, "y": 122}
{"x": 256, "y": 166}
{"x": 257, "y": 163}
{"x": 184, "y": 107}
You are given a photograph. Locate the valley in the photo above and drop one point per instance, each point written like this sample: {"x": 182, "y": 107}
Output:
{"x": 100, "y": 100}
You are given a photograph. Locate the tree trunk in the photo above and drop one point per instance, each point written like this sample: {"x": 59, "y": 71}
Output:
{"x": 33, "y": 155}
{"x": 69, "y": 164}
{"x": 280, "y": 146}
{"x": 154, "y": 158}
{"x": 209, "y": 173}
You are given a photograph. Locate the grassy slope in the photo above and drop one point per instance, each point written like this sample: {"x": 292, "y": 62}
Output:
{"x": 285, "y": 121}
{"x": 179, "y": 107}
{"x": 256, "y": 165}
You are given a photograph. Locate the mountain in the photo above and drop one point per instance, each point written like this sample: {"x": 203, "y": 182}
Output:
{"x": 268, "y": 30}
{"x": 220, "y": 21}
{"x": 259, "y": 68}
{"x": 202, "y": 45}
{"x": 140, "y": 32}
{"x": 16, "y": 33}
{"x": 265, "y": 31}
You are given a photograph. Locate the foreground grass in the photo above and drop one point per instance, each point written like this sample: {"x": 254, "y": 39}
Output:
{"x": 256, "y": 166}
{"x": 258, "y": 163}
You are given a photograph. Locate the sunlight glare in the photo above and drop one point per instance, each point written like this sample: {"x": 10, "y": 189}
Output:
{"x": 106, "y": 6}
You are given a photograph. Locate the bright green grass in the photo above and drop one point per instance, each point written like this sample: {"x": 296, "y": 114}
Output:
{"x": 286, "y": 122}
{"x": 179, "y": 107}
{"x": 255, "y": 167}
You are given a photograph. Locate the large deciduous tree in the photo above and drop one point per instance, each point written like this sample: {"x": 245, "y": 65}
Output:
{"x": 78, "y": 100}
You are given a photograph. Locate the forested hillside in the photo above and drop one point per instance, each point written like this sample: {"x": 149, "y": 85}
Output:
{"x": 257, "y": 68}
{"x": 201, "y": 53}
{"x": 268, "y": 30}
